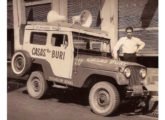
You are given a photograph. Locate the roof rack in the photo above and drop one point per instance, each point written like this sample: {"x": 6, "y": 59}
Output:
{"x": 68, "y": 25}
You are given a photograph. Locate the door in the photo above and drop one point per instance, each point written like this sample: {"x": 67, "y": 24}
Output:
{"x": 61, "y": 58}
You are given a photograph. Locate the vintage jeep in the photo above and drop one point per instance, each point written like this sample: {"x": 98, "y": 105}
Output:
{"x": 71, "y": 56}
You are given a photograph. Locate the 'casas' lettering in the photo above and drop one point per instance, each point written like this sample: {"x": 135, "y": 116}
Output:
{"x": 39, "y": 52}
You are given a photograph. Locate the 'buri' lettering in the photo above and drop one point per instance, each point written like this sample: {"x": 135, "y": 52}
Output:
{"x": 58, "y": 55}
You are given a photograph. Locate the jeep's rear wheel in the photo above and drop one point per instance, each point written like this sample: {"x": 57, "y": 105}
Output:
{"x": 104, "y": 98}
{"x": 37, "y": 85}
{"x": 20, "y": 63}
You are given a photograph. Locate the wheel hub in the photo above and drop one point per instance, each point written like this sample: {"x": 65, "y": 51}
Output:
{"x": 36, "y": 85}
{"x": 103, "y": 98}
{"x": 19, "y": 64}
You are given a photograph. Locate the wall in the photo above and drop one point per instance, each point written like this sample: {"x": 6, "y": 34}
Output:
{"x": 143, "y": 16}
{"x": 76, "y": 6}
{"x": 140, "y": 14}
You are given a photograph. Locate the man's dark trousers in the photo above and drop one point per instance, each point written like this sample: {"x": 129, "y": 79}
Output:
{"x": 130, "y": 57}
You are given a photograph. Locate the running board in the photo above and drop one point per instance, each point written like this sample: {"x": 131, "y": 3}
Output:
{"x": 59, "y": 86}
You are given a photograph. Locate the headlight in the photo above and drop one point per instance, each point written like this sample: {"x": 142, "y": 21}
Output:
{"x": 127, "y": 72}
{"x": 143, "y": 73}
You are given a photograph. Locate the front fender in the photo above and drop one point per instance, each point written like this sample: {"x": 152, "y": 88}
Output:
{"x": 83, "y": 74}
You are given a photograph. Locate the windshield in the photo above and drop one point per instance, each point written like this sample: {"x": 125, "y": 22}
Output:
{"x": 91, "y": 43}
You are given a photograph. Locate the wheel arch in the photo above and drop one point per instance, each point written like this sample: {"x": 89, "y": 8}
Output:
{"x": 44, "y": 66}
{"x": 37, "y": 67}
{"x": 94, "y": 78}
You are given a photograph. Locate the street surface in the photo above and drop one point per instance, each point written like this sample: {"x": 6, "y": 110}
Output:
{"x": 58, "y": 105}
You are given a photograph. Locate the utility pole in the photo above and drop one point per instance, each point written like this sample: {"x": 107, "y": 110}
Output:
{"x": 60, "y": 6}
{"x": 109, "y": 16}
{"x": 19, "y": 16}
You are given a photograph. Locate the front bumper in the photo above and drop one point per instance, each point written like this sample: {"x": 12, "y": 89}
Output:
{"x": 137, "y": 90}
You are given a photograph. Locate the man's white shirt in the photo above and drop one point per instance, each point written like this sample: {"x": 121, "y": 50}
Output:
{"x": 132, "y": 45}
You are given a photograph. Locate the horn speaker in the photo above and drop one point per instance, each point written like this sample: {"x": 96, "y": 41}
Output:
{"x": 84, "y": 19}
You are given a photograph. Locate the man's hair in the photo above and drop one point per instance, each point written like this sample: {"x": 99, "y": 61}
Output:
{"x": 129, "y": 28}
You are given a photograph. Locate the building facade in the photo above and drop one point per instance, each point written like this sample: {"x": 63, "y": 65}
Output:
{"x": 140, "y": 14}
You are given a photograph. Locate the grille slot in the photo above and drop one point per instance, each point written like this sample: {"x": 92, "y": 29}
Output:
{"x": 135, "y": 78}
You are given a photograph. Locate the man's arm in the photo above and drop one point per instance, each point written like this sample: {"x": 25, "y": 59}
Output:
{"x": 116, "y": 48}
{"x": 141, "y": 45}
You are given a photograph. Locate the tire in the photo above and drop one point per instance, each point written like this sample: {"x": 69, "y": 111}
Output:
{"x": 37, "y": 85}
{"x": 20, "y": 63}
{"x": 104, "y": 98}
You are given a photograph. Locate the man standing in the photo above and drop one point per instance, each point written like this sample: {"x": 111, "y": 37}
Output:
{"x": 130, "y": 46}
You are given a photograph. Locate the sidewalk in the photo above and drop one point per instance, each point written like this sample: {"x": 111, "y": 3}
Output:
{"x": 151, "y": 82}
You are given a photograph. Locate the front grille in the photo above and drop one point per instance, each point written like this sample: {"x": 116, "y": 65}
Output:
{"x": 135, "y": 78}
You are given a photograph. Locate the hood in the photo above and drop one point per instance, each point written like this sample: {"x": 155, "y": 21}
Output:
{"x": 104, "y": 63}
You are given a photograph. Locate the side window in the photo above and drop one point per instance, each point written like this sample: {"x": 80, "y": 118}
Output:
{"x": 86, "y": 42}
{"x": 59, "y": 39}
{"x": 38, "y": 38}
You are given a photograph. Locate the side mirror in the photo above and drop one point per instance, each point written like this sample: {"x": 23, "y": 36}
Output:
{"x": 65, "y": 44}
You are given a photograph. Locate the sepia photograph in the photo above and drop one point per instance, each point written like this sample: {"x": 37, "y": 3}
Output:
{"x": 82, "y": 60}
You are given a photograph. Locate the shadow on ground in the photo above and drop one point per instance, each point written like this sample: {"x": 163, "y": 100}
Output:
{"x": 80, "y": 97}
{"x": 13, "y": 84}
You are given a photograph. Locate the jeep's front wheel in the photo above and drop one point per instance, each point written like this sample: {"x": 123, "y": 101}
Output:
{"x": 104, "y": 98}
{"x": 37, "y": 85}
